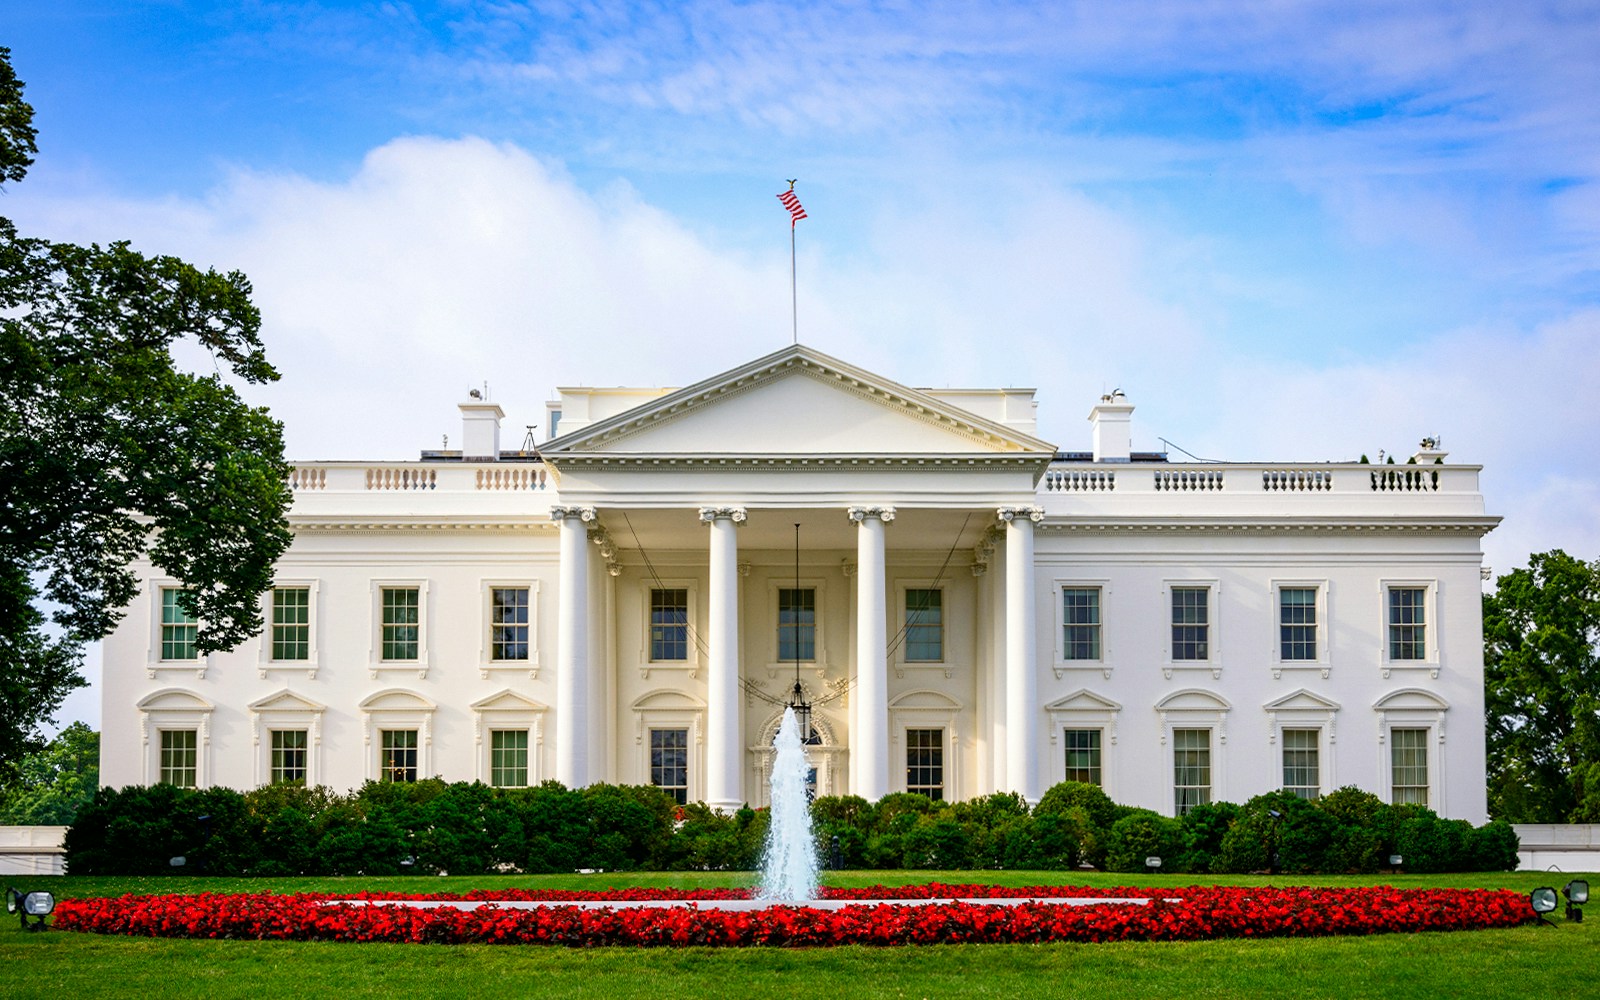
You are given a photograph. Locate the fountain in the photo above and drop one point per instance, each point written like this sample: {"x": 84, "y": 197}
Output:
{"x": 789, "y": 861}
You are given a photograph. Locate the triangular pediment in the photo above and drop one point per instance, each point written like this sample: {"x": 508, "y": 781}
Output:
{"x": 508, "y": 701}
{"x": 1083, "y": 700}
{"x": 286, "y": 701}
{"x": 796, "y": 401}
{"x": 1302, "y": 701}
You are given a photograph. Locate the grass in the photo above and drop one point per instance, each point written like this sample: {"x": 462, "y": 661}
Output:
{"x": 1499, "y": 963}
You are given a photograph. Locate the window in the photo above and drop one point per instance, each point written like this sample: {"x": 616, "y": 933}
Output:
{"x": 925, "y": 762}
{"x": 180, "y": 762}
{"x": 797, "y": 624}
{"x": 1297, "y": 623}
{"x": 1190, "y": 624}
{"x": 288, "y": 756}
{"x": 1080, "y": 617}
{"x": 669, "y": 624}
{"x": 1407, "y": 628}
{"x": 398, "y": 758}
{"x": 669, "y": 762}
{"x": 508, "y": 623}
{"x": 291, "y": 623}
{"x": 1191, "y": 768}
{"x": 924, "y": 626}
{"x": 508, "y": 758}
{"x": 179, "y": 629}
{"x": 400, "y": 622}
{"x": 1083, "y": 755}
{"x": 1302, "y": 774}
{"x": 1408, "y": 755}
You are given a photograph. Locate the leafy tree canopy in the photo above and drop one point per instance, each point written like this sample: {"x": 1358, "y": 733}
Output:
{"x": 52, "y": 783}
{"x": 109, "y": 453}
{"x": 1541, "y": 631}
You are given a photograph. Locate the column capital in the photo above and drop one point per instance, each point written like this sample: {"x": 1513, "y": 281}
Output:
{"x": 738, "y": 515}
{"x": 584, "y": 514}
{"x": 1009, "y": 514}
{"x": 859, "y": 514}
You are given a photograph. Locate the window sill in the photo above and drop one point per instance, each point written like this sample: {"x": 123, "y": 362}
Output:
{"x": 1298, "y": 665}
{"x": 307, "y": 667}
{"x": 1213, "y": 667}
{"x": 1431, "y": 666}
{"x": 488, "y": 668}
{"x": 1062, "y": 666}
{"x": 154, "y": 668}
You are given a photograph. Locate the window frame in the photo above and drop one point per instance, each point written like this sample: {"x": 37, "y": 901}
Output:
{"x": 1422, "y": 733}
{"x": 772, "y": 645}
{"x": 377, "y": 662}
{"x": 941, "y": 627}
{"x": 1060, "y": 663}
{"x": 1209, "y": 795}
{"x": 1085, "y": 709}
{"x": 1316, "y": 787}
{"x": 155, "y": 665}
{"x": 386, "y": 768}
{"x": 651, "y": 732}
{"x": 1098, "y": 767}
{"x": 1430, "y": 626}
{"x": 1324, "y": 634}
{"x": 193, "y": 751}
{"x": 267, "y": 665}
{"x": 935, "y": 746}
{"x": 273, "y": 733}
{"x": 1213, "y": 626}
{"x": 526, "y": 748}
{"x": 488, "y": 666}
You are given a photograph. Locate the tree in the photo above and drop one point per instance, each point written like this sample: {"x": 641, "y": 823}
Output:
{"x": 54, "y": 782}
{"x": 1541, "y": 632}
{"x": 109, "y": 453}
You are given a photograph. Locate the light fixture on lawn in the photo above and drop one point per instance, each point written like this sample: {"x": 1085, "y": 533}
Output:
{"x": 797, "y": 697}
{"x": 1577, "y": 893}
{"x": 30, "y": 904}
{"x": 1543, "y": 900}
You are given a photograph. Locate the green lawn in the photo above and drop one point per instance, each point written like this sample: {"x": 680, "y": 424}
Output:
{"x": 1516, "y": 962}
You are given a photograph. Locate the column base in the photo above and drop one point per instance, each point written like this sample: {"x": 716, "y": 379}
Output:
{"x": 726, "y": 807}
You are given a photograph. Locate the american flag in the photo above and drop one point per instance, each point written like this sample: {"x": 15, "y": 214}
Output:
{"x": 792, "y": 203}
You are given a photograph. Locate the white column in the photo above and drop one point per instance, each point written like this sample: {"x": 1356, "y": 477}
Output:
{"x": 572, "y": 647}
{"x": 1022, "y": 682}
{"x": 724, "y": 754}
{"x": 870, "y": 744}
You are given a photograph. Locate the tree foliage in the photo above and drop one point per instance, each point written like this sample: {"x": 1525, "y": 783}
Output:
{"x": 52, "y": 784}
{"x": 1541, "y": 632}
{"x": 110, "y": 453}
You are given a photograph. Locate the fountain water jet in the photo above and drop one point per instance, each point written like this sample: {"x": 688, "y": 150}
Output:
{"x": 789, "y": 861}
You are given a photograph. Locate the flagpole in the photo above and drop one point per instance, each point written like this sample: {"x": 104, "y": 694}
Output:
{"x": 794, "y": 294}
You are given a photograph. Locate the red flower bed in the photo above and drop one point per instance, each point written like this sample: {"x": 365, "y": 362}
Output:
{"x": 1179, "y": 914}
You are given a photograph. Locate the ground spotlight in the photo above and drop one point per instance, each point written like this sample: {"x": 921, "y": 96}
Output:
{"x": 1577, "y": 893}
{"x": 30, "y": 904}
{"x": 1543, "y": 900}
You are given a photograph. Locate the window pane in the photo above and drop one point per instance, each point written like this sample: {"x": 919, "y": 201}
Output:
{"x": 398, "y": 757}
{"x": 1083, "y": 755}
{"x": 1302, "y": 773}
{"x": 1297, "y": 623}
{"x": 288, "y": 756}
{"x": 1191, "y": 768}
{"x": 924, "y": 626}
{"x": 669, "y": 762}
{"x": 179, "y": 758}
{"x": 797, "y": 624}
{"x": 925, "y": 762}
{"x": 400, "y": 623}
{"x": 508, "y": 623}
{"x": 1407, "y": 630}
{"x": 508, "y": 758}
{"x": 1408, "y": 754}
{"x": 1190, "y": 623}
{"x": 669, "y": 624}
{"x": 1080, "y": 615}
{"x": 179, "y": 629}
{"x": 291, "y": 623}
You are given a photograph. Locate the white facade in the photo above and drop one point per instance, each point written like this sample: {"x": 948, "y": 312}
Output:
{"x": 1178, "y": 631}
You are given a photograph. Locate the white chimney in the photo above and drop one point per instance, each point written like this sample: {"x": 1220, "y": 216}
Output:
{"x": 1113, "y": 428}
{"x": 480, "y": 431}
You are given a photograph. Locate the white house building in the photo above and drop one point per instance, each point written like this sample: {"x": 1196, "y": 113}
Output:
{"x": 967, "y": 607}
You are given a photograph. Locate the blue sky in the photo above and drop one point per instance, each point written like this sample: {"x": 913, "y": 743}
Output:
{"x": 1287, "y": 230}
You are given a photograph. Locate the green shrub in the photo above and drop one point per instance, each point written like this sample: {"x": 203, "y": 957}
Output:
{"x": 936, "y": 842}
{"x": 1092, "y": 799}
{"x": 1493, "y": 847}
{"x": 1142, "y": 834}
{"x": 1204, "y": 828}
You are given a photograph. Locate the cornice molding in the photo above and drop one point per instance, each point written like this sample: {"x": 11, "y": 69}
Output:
{"x": 1030, "y": 461}
{"x": 1455, "y": 525}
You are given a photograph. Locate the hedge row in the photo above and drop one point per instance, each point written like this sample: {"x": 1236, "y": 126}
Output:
{"x": 429, "y": 826}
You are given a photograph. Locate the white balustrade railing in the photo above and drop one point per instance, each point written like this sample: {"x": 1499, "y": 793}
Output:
{"x": 453, "y": 477}
{"x": 1079, "y": 480}
{"x": 1187, "y": 480}
{"x": 517, "y": 477}
{"x": 1296, "y": 480}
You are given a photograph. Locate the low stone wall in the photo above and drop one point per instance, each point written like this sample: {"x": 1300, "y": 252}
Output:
{"x": 1562, "y": 847}
{"x": 33, "y": 850}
